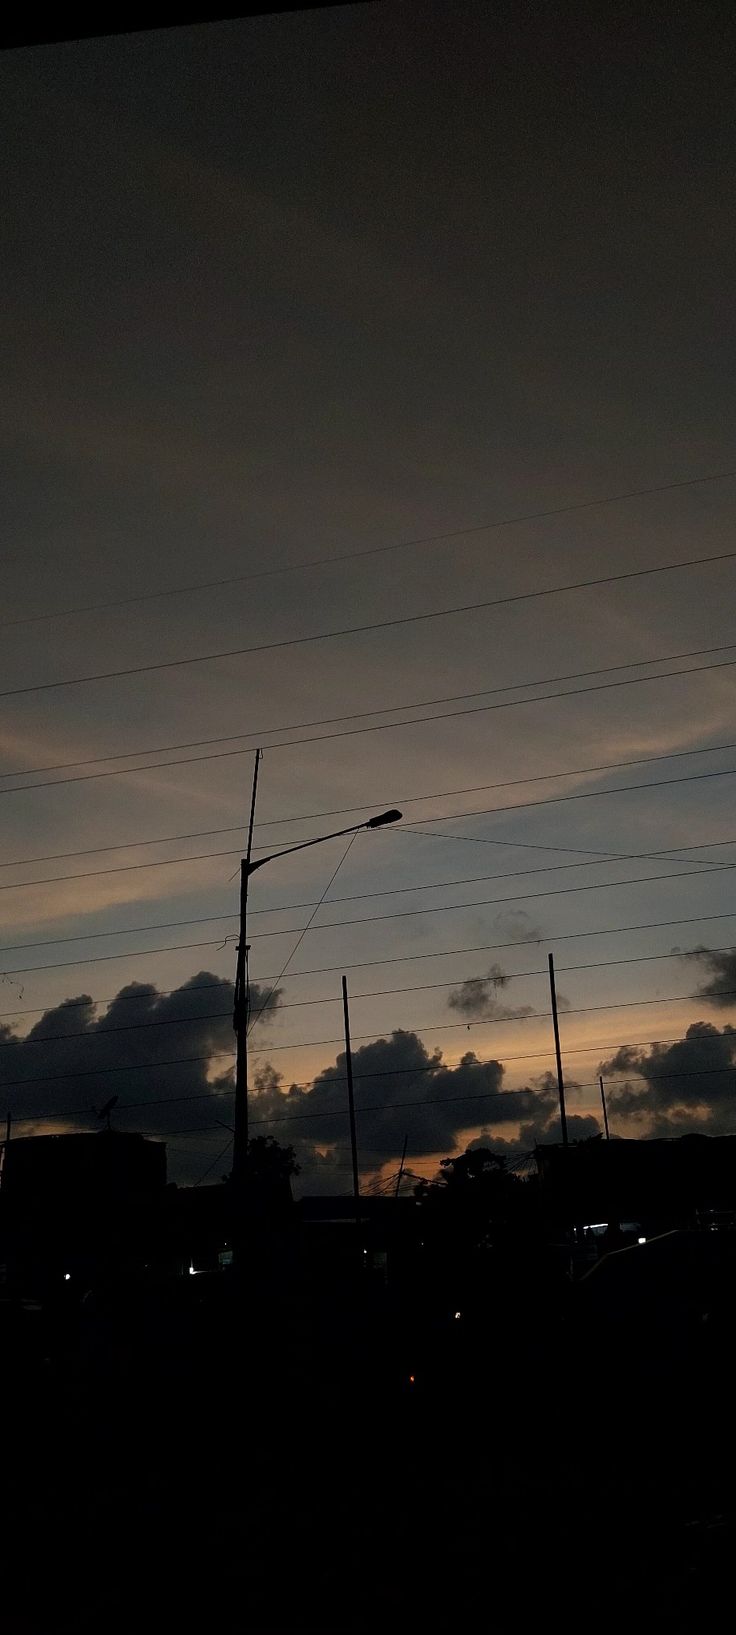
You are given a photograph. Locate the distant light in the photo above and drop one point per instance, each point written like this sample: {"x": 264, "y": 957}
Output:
{"x": 458, "y": 1314}
{"x": 641, "y": 1240}
{"x": 191, "y": 1270}
{"x": 411, "y": 1379}
{"x": 67, "y": 1277}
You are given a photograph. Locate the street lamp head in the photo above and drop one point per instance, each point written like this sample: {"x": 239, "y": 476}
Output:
{"x": 383, "y": 817}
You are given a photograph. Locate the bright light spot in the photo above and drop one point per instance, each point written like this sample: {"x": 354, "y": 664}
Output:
{"x": 67, "y": 1277}
{"x": 411, "y": 1379}
{"x": 191, "y": 1270}
{"x": 458, "y": 1314}
{"x": 641, "y": 1240}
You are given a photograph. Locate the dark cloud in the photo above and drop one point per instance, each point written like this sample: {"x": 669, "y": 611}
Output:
{"x": 688, "y": 1085}
{"x": 516, "y": 925}
{"x": 401, "y": 1088}
{"x": 720, "y": 986}
{"x": 155, "y": 1051}
{"x": 543, "y": 1126}
{"x": 478, "y": 998}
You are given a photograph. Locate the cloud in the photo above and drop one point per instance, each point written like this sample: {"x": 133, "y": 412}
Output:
{"x": 477, "y": 998}
{"x": 401, "y": 1088}
{"x": 720, "y": 988}
{"x": 516, "y": 925}
{"x": 155, "y": 1051}
{"x": 687, "y": 1085}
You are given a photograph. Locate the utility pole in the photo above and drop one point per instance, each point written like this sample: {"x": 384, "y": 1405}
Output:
{"x": 351, "y": 1102}
{"x": 400, "y": 1175}
{"x": 556, "y": 1026}
{"x": 241, "y": 1007}
{"x": 605, "y": 1110}
{"x": 241, "y": 1011}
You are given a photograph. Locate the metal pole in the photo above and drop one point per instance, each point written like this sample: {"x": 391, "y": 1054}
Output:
{"x": 351, "y": 1101}
{"x": 400, "y": 1175}
{"x": 241, "y": 1008}
{"x": 555, "y": 1024}
{"x": 605, "y": 1110}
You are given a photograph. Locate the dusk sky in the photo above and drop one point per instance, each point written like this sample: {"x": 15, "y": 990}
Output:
{"x": 309, "y": 287}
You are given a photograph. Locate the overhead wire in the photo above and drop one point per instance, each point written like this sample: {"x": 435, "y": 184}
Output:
{"x": 369, "y": 551}
{"x": 376, "y": 993}
{"x": 394, "y": 959}
{"x": 362, "y": 896}
{"x": 306, "y": 1044}
{"x": 408, "y": 800}
{"x": 416, "y": 826}
{"x": 252, "y": 1022}
{"x": 386, "y": 726}
{"x": 396, "y": 623}
{"x": 513, "y": 1096}
{"x": 360, "y": 715}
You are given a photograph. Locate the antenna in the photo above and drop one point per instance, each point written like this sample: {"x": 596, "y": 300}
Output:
{"x": 104, "y": 1112}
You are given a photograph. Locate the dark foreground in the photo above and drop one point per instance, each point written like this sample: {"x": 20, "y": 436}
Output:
{"x": 185, "y": 1460}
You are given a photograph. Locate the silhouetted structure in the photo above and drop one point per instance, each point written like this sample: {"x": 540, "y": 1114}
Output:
{"x": 662, "y": 1184}
{"x": 79, "y": 1207}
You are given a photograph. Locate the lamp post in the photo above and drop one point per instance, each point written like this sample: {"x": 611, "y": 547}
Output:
{"x": 241, "y": 1005}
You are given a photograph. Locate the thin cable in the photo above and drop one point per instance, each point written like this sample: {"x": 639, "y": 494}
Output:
{"x": 363, "y": 629}
{"x": 217, "y": 1160}
{"x": 415, "y": 827}
{"x": 301, "y": 937}
{"x": 308, "y": 1044}
{"x": 101, "y": 1033}
{"x": 395, "y": 959}
{"x": 503, "y": 1021}
{"x": 429, "y": 1067}
{"x": 399, "y": 800}
{"x": 359, "y": 715}
{"x": 387, "y": 726}
{"x": 362, "y": 896}
{"x": 374, "y": 993}
{"x": 371, "y": 550}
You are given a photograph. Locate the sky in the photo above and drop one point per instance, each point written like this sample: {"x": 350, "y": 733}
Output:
{"x": 370, "y": 282}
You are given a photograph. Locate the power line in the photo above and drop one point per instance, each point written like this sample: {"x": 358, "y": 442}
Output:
{"x": 410, "y": 1072}
{"x": 399, "y": 800}
{"x": 436, "y": 1101}
{"x": 102, "y": 1033}
{"x": 584, "y": 794}
{"x": 487, "y": 902}
{"x": 519, "y": 1056}
{"x": 395, "y": 959}
{"x": 341, "y": 1112}
{"x": 360, "y": 630}
{"x": 377, "y": 993}
{"x": 300, "y": 938}
{"x": 362, "y": 896}
{"x": 359, "y": 715}
{"x": 498, "y": 1021}
{"x": 386, "y": 726}
{"x": 217, "y": 1160}
{"x": 371, "y": 550}
{"x": 416, "y": 826}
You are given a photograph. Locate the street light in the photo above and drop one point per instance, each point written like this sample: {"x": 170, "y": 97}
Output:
{"x": 240, "y": 1010}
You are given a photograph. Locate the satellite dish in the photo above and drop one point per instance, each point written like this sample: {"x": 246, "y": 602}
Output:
{"x": 104, "y": 1112}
